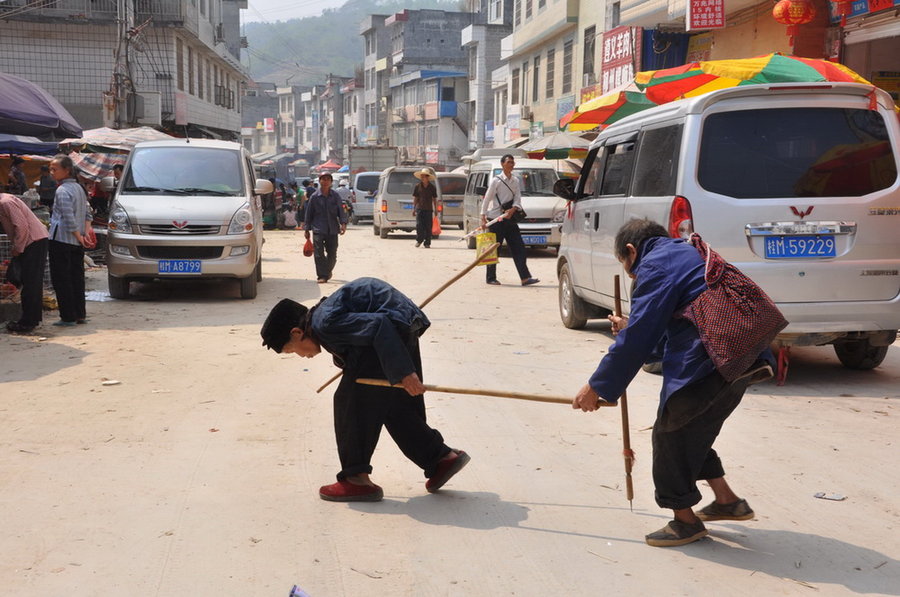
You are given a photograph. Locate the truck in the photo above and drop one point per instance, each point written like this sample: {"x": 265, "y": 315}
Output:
{"x": 366, "y": 159}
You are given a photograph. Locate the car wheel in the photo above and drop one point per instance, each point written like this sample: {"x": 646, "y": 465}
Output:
{"x": 118, "y": 287}
{"x": 248, "y": 285}
{"x": 376, "y": 230}
{"x": 569, "y": 303}
{"x": 354, "y": 220}
{"x": 460, "y": 225}
{"x": 860, "y": 354}
{"x": 472, "y": 242}
{"x": 259, "y": 271}
{"x": 383, "y": 232}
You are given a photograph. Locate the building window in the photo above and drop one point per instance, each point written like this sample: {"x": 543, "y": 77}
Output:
{"x": 525, "y": 82}
{"x": 590, "y": 38}
{"x": 517, "y": 13}
{"x": 527, "y": 9}
{"x": 179, "y": 59}
{"x": 615, "y": 14}
{"x": 542, "y": 4}
{"x": 495, "y": 11}
{"x": 209, "y": 89}
{"x": 536, "y": 79}
{"x": 199, "y": 77}
{"x": 567, "y": 67}
{"x": 473, "y": 65}
{"x": 551, "y": 72}
{"x": 514, "y": 87}
{"x": 190, "y": 72}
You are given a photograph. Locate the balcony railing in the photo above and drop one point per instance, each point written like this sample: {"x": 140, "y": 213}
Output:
{"x": 166, "y": 11}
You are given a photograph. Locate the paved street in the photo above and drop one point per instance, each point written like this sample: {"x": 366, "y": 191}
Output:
{"x": 197, "y": 473}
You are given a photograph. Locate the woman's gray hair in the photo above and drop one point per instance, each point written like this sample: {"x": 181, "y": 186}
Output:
{"x": 66, "y": 163}
{"x": 634, "y": 232}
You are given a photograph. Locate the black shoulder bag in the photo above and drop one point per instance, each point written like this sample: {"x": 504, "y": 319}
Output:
{"x": 520, "y": 214}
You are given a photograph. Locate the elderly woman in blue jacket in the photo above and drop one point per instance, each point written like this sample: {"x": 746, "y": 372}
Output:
{"x": 372, "y": 330}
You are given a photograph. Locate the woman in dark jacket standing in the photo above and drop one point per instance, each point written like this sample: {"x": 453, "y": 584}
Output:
{"x": 68, "y": 226}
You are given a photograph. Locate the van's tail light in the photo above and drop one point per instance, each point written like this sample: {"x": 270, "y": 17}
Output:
{"x": 681, "y": 220}
{"x": 383, "y": 206}
{"x": 352, "y": 196}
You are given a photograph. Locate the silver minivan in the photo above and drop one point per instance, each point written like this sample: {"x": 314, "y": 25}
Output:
{"x": 796, "y": 185}
{"x": 394, "y": 203}
{"x": 365, "y": 186}
{"x": 186, "y": 208}
{"x": 453, "y": 191}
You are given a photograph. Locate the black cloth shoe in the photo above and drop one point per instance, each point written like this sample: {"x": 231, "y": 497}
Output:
{"x": 739, "y": 510}
{"x": 14, "y": 327}
{"x": 677, "y": 533}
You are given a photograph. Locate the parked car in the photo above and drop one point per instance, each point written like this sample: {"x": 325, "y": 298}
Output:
{"x": 796, "y": 185}
{"x": 453, "y": 192}
{"x": 186, "y": 209}
{"x": 544, "y": 210}
{"x": 395, "y": 201}
{"x": 365, "y": 187}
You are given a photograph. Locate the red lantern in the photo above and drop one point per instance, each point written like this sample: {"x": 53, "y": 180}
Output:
{"x": 793, "y": 13}
{"x": 843, "y": 8}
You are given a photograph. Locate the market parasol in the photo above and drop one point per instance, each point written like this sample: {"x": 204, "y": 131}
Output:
{"x": 697, "y": 78}
{"x": 28, "y": 109}
{"x": 105, "y": 139}
{"x": 329, "y": 165}
{"x": 606, "y": 109}
{"x": 558, "y": 146}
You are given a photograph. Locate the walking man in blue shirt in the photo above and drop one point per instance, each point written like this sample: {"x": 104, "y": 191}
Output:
{"x": 325, "y": 218}
{"x": 372, "y": 330}
{"x": 695, "y": 399}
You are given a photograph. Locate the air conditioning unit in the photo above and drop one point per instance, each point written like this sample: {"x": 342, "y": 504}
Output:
{"x": 420, "y": 110}
{"x": 404, "y": 153}
{"x": 148, "y": 108}
{"x": 400, "y": 113}
{"x": 525, "y": 113}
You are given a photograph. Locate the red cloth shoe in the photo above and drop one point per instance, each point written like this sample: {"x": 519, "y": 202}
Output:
{"x": 446, "y": 469}
{"x": 345, "y": 491}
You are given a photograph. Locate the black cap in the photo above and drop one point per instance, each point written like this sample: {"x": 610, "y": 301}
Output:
{"x": 285, "y": 316}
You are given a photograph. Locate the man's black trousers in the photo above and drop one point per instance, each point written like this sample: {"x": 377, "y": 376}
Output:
{"x": 424, "y": 222}
{"x": 360, "y": 411}
{"x": 33, "y": 260}
{"x": 683, "y": 436}
{"x": 325, "y": 253}
{"x": 509, "y": 231}
{"x": 67, "y": 275}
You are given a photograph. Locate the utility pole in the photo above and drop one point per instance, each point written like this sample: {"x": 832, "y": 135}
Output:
{"x": 121, "y": 88}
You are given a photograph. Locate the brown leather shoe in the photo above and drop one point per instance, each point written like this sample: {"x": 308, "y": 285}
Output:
{"x": 345, "y": 491}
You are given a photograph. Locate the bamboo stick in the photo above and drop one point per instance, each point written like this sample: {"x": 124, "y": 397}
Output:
{"x": 627, "y": 452}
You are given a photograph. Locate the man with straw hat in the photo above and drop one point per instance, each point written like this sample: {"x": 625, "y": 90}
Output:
{"x": 425, "y": 203}
{"x": 372, "y": 330}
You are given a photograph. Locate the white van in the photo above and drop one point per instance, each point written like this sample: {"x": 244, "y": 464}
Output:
{"x": 186, "y": 209}
{"x": 453, "y": 192}
{"x": 365, "y": 186}
{"x": 796, "y": 185}
{"x": 544, "y": 210}
{"x": 394, "y": 209}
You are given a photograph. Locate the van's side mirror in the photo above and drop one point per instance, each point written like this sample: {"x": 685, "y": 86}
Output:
{"x": 565, "y": 188}
{"x": 480, "y": 191}
{"x": 263, "y": 187}
{"x": 108, "y": 183}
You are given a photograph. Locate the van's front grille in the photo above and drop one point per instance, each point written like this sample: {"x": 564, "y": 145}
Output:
{"x": 150, "y": 252}
{"x": 171, "y": 229}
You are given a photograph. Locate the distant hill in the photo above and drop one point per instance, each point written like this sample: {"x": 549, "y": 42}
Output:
{"x": 305, "y": 50}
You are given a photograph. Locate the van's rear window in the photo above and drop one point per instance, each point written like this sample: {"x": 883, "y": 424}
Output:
{"x": 367, "y": 183}
{"x": 796, "y": 152}
{"x": 401, "y": 183}
{"x": 452, "y": 185}
{"x": 188, "y": 170}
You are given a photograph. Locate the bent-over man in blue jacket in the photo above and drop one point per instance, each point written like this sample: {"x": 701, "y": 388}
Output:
{"x": 695, "y": 399}
{"x": 372, "y": 330}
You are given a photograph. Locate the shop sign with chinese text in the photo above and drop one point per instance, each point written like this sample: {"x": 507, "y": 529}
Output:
{"x": 621, "y": 56}
{"x": 705, "y": 14}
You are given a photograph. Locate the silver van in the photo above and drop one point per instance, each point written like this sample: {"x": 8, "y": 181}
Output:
{"x": 186, "y": 209}
{"x": 394, "y": 205}
{"x": 453, "y": 192}
{"x": 365, "y": 186}
{"x": 796, "y": 185}
{"x": 544, "y": 210}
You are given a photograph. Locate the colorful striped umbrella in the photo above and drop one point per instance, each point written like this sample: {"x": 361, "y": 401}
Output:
{"x": 558, "y": 146}
{"x": 697, "y": 78}
{"x": 606, "y": 109}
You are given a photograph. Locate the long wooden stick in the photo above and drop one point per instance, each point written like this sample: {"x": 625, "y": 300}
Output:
{"x": 443, "y": 287}
{"x": 480, "y": 392}
{"x": 627, "y": 452}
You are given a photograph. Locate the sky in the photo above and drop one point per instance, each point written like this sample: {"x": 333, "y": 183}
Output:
{"x": 284, "y": 10}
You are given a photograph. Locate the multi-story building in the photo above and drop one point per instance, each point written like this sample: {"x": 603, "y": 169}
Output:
{"x": 376, "y": 74}
{"x": 353, "y": 97}
{"x": 173, "y": 64}
{"x": 259, "y": 107}
{"x": 290, "y": 113}
{"x": 492, "y": 22}
{"x": 429, "y": 86}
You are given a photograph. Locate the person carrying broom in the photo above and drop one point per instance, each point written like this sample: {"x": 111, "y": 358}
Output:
{"x": 372, "y": 330}
{"x": 695, "y": 398}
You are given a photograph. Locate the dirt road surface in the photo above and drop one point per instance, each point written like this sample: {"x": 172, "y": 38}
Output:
{"x": 196, "y": 474}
